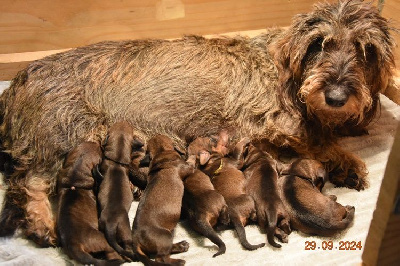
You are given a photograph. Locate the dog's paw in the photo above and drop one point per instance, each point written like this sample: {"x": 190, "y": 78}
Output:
{"x": 356, "y": 181}
{"x": 180, "y": 247}
{"x": 351, "y": 179}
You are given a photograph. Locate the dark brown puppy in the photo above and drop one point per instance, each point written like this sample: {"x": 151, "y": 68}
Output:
{"x": 115, "y": 195}
{"x": 159, "y": 208}
{"x": 310, "y": 211}
{"x": 203, "y": 205}
{"x": 230, "y": 182}
{"x": 77, "y": 220}
{"x": 260, "y": 170}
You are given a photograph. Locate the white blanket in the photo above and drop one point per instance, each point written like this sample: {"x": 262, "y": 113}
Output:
{"x": 373, "y": 148}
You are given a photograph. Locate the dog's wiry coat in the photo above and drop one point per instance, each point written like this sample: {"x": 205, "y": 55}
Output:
{"x": 300, "y": 87}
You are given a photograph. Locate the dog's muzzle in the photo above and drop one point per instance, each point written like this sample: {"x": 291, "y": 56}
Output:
{"x": 336, "y": 96}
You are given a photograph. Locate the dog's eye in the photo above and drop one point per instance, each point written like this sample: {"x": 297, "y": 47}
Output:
{"x": 313, "y": 50}
{"x": 370, "y": 53}
{"x": 316, "y": 45}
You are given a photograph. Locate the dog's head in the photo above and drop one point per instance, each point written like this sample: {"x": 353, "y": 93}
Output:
{"x": 121, "y": 144}
{"x": 159, "y": 143}
{"x": 334, "y": 61}
{"x": 308, "y": 169}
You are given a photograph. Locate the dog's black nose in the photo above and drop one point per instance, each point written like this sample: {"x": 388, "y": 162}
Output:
{"x": 336, "y": 97}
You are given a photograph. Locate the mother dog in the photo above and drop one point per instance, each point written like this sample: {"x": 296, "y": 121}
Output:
{"x": 299, "y": 88}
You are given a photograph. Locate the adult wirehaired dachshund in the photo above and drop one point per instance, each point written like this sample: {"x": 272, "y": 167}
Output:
{"x": 77, "y": 219}
{"x": 302, "y": 87}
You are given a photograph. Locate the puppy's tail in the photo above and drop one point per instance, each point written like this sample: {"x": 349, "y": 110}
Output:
{"x": 242, "y": 234}
{"x": 206, "y": 229}
{"x": 144, "y": 259}
{"x": 112, "y": 240}
{"x": 272, "y": 222}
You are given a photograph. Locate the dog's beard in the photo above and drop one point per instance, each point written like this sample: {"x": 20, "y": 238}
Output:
{"x": 312, "y": 94}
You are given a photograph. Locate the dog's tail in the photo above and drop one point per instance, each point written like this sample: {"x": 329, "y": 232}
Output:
{"x": 272, "y": 220}
{"x": 86, "y": 258}
{"x": 205, "y": 228}
{"x": 111, "y": 236}
{"x": 145, "y": 259}
{"x": 242, "y": 233}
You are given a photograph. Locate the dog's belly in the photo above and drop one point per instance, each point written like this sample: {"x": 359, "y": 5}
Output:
{"x": 182, "y": 89}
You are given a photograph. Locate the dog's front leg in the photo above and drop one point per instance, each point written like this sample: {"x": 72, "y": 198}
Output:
{"x": 345, "y": 168}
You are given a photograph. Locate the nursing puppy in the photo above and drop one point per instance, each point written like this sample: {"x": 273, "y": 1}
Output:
{"x": 159, "y": 208}
{"x": 77, "y": 220}
{"x": 203, "y": 205}
{"x": 230, "y": 182}
{"x": 310, "y": 211}
{"x": 260, "y": 170}
{"x": 115, "y": 195}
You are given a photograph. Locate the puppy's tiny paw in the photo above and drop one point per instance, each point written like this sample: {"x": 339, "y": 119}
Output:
{"x": 179, "y": 247}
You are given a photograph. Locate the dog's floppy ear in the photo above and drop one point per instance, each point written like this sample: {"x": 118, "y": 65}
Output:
{"x": 104, "y": 142}
{"x": 204, "y": 157}
{"x": 180, "y": 151}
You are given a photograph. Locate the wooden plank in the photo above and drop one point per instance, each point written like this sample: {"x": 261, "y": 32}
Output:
{"x": 393, "y": 90}
{"x": 377, "y": 243}
{"x": 40, "y": 25}
{"x": 391, "y": 10}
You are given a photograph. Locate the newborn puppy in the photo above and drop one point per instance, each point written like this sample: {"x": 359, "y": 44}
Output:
{"x": 159, "y": 208}
{"x": 203, "y": 205}
{"x": 310, "y": 211}
{"x": 230, "y": 182}
{"x": 261, "y": 173}
{"x": 115, "y": 195}
{"x": 77, "y": 221}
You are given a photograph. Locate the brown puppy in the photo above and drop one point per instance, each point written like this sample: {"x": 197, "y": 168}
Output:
{"x": 77, "y": 221}
{"x": 159, "y": 208}
{"x": 203, "y": 205}
{"x": 230, "y": 182}
{"x": 260, "y": 170}
{"x": 115, "y": 196}
{"x": 310, "y": 211}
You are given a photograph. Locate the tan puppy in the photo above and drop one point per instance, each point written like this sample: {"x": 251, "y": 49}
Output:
{"x": 230, "y": 182}
{"x": 115, "y": 195}
{"x": 159, "y": 208}
{"x": 77, "y": 221}
{"x": 203, "y": 205}
{"x": 312, "y": 212}
{"x": 260, "y": 170}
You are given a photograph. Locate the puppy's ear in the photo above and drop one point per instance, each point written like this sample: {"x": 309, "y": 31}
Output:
{"x": 104, "y": 142}
{"x": 204, "y": 157}
{"x": 180, "y": 151}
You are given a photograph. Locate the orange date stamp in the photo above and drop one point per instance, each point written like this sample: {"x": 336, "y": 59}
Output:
{"x": 330, "y": 245}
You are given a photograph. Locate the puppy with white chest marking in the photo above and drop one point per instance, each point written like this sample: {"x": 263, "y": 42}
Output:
{"x": 159, "y": 208}
{"x": 115, "y": 196}
{"x": 310, "y": 211}
{"x": 77, "y": 220}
